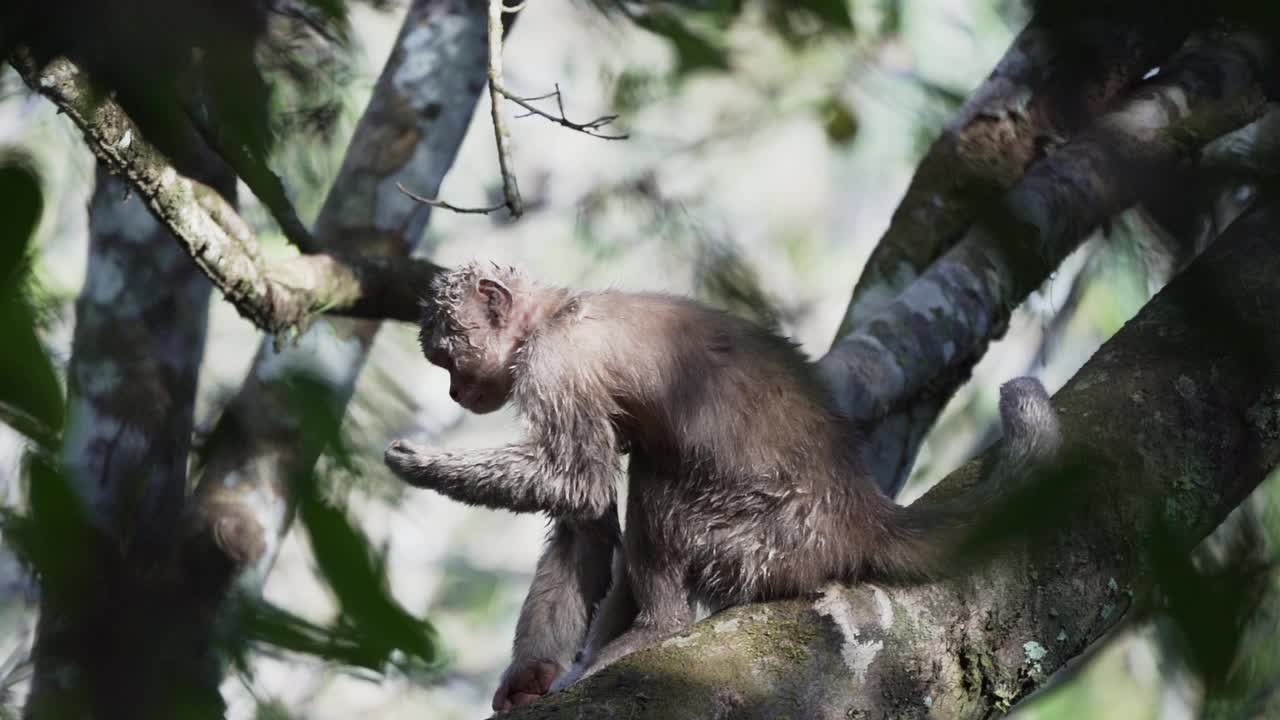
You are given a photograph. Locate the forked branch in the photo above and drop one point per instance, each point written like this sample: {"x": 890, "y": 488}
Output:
{"x": 511, "y": 198}
{"x": 273, "y": 296}
{"x": 591, "y": 127}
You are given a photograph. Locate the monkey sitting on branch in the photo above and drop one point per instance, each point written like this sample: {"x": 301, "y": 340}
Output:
{"x": 745, "y": 482}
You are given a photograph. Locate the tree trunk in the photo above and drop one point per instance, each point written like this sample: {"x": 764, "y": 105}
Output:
{"x": 139, "y": 339}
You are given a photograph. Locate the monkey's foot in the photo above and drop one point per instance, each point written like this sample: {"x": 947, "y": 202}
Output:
{"x": 573, "y": 675}
{"x": 523, "y": 683}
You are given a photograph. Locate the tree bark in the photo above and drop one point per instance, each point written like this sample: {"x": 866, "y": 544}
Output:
{"x": 1196, "y": 374}
{"x": 898, "y": 368}
{"x": 1055, "y": 78}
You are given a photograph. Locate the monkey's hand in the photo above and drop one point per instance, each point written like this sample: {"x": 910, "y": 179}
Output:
{"x": 524, "y": 682}
{"x": 410, "y": 462}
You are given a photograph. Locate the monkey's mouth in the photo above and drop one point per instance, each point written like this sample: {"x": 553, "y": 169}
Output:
{"x": 481, "y": 402}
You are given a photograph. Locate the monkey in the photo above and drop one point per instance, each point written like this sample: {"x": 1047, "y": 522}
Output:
{"x": 746, "y": 483}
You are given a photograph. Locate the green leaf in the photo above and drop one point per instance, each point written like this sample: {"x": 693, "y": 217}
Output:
{"x": 694, "y": 50}
{"x": 30, "y": 395}
{"x": 833, "y": 13}
{"x": 373, "y": 626}
{"x": 839, "y": 121}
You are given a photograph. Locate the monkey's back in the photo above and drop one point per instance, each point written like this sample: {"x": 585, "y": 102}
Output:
{"x": 741, "y": 466}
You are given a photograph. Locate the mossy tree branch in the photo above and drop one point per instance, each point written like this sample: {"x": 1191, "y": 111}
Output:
{"x": 1192, "y": 384}
{"x": 275, "y": 296}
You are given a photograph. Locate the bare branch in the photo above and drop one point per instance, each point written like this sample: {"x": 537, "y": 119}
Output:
{"x": 501, "y": 133}
{"x": 502, "y": 136}
{"x": 447, "y": 206}
{"x": 590, "y": 127}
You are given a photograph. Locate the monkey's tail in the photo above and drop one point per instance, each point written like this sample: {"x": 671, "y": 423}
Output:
{"x": 946, "y": 530}
{"x": 919, "y": 542}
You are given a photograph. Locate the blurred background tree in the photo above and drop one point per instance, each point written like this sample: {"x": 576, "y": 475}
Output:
{"x": 152, "y": 463}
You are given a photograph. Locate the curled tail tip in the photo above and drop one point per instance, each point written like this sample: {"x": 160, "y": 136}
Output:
{"x": 1023, "y": 385}
{"x": 1026, "y": 410}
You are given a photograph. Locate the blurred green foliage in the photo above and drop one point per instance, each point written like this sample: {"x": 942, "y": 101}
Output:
{"x": 30, "y": 394}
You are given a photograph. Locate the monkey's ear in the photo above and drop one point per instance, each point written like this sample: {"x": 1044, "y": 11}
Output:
{"x": 497, "y": 298}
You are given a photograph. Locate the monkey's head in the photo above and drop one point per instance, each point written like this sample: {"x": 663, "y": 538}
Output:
{"x": 469, "y": 328}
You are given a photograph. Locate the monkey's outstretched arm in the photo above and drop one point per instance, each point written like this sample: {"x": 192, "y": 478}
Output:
{"x": 521, "y": 477}
{"x": 567, "y": 467}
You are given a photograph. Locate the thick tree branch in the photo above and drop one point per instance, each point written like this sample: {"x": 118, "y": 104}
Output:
{"x": 409, "y": 134}
{"x": 1197, "y": 374}
{"x": 274, "y": 296}
{"x": 923, "y": 344}
{"x": 1054, "y": 79}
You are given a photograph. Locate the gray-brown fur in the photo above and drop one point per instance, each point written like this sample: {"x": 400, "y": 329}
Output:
{"x": 571, "y": 579}
{"x": 745, "y": 482}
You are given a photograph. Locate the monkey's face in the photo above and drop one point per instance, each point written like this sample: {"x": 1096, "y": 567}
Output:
{"x": 479, "y": 376}
{"x": 475, "y": 342}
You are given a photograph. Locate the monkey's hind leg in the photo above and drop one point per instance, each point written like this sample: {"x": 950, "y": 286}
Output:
{"x": 664, "y": 610}
{"x": 615, "y": 615}
{"x": 573, "y": 575}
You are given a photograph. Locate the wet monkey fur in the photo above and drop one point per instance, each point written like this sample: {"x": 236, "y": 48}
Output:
{"x": 745, "y": 482}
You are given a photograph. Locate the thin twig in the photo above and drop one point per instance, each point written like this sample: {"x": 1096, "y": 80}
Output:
{"x": 551, "y": 94}
{"x": 510, "y": 190}
{"x": 591, "y": 127}
{"x": 447, "y": 206}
